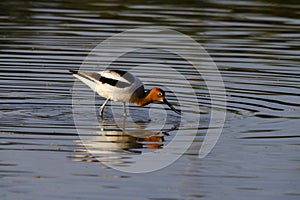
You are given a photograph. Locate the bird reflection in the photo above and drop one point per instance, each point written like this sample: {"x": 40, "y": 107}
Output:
{"x": 115, "y": 145}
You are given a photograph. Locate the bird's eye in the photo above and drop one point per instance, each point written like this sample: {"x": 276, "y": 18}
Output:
{"x": 159, "y": 94}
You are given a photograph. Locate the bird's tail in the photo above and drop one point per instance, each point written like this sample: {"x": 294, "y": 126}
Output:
{"x": 73, "y": 71}
{"x": 86, "y": 77}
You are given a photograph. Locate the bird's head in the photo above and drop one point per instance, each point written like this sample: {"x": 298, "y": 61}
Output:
{"x": 157, "y": 94}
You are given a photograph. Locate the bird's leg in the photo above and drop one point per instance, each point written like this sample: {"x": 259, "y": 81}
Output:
{"x": 124, "y": 109}
{"x": 102, "y": 107}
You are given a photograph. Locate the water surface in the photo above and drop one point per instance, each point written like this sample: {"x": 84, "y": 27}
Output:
{"x": 255, "y": 45}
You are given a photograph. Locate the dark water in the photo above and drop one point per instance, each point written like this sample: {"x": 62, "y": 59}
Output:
{"x": 255, "y": 45}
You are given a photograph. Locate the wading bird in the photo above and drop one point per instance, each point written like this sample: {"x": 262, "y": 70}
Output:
{"x": 122, "y": 86}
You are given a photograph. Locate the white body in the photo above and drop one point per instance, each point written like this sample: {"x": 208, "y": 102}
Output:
{"x": 107, "y": 90}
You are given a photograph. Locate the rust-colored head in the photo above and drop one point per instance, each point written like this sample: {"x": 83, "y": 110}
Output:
{"x": 157, "y": 94}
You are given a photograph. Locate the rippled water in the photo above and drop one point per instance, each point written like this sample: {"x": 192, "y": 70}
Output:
{"x": 255, "y": 45}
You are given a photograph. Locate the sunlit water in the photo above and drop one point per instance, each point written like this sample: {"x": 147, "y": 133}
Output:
{"x": 256, "y": 48}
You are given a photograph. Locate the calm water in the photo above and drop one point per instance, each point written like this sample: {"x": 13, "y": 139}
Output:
{"x": 255, "y": 45}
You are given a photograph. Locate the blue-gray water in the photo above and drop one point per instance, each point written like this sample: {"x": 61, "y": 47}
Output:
{"x": 255, "y": 45}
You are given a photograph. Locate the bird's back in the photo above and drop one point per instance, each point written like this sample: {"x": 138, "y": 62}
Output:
{"x": 116, "y": 85}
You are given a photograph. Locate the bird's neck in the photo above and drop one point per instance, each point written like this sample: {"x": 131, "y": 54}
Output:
{"x": 141, "y": 98}
{"x": 142, "y": 102}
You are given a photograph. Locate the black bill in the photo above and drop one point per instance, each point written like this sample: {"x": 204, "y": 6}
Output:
{"x": 172, "y": 108}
